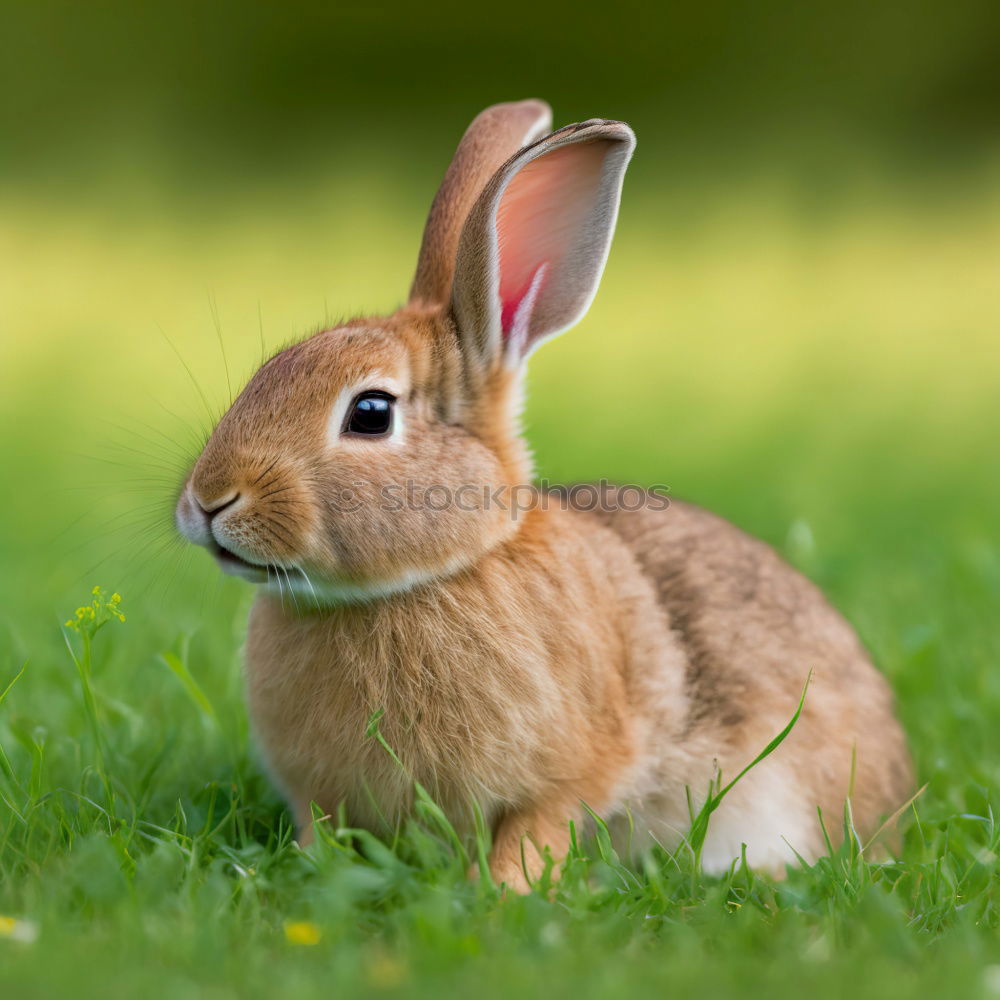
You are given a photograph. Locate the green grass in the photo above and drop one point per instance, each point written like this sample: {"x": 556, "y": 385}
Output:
{"x": 828, "y": 385}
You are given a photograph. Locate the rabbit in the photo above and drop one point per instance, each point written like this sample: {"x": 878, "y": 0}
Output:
{"x": 523, "y": 654}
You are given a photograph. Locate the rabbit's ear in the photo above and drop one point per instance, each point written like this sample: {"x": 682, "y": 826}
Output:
{"x": 534, "y": 246}
{"x": 494, "y": 135}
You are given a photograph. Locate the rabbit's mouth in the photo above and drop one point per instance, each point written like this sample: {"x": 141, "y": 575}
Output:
{"x": 236, "y": 565}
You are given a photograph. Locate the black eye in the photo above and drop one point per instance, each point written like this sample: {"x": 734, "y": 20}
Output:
{"x": 371, "y": 414}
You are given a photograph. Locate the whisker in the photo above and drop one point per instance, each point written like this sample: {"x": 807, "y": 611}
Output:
{"x": 101, "y": 458}
{"x": 199, "y": 435}
{"x": 152, "y": 568}
{"x": 214, "y": 309}
{"x": 152, "y": 484}
{"x": 136, "y": 528}
{"x": 280, "y": 531}
{"x": 277, "y": 578}
{"x": 150, "y": 509}
{"x": 270, "y": 482}
{"x": 167, "y": 447}
{"x": 260, "y": 327}
{"x": 204, "y": 399}
{"x": 311, "y": 587}
{"x": 161, "y": 459}
{"x": 166, "y": 437}
{"x": 274, "y": 493}
{"x": 264, "y": 473}
{"x": 141, "y": 550}
{"x": 291, "y": 589}
{"x": 142, "y": 517}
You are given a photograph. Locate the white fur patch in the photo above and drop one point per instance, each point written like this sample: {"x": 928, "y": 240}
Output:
{"x": 770, "y": 816}
{"x": 294, "y": 582}
{"x": 766, "y": 810}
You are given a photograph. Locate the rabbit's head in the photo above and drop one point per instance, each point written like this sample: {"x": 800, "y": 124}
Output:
{"x": 383, "y": 452}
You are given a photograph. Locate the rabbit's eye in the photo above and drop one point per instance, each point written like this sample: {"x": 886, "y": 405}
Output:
{"x": 371, "y": 414}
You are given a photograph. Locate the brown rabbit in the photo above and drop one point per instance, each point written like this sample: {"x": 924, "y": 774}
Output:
{"x": 527, "y": 655}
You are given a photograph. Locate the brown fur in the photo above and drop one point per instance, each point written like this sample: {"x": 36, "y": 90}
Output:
{"x": 528, "y": 664}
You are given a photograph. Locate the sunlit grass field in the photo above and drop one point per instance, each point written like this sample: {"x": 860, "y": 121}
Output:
{"x": 825, "y": 375}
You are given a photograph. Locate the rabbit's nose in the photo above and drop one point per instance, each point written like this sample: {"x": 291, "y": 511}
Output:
{"x": 210, "y": 508}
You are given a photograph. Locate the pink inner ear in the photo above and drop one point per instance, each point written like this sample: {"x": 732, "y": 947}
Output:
{"x": 538, "y": 220}
{"x": 510, "y": 305}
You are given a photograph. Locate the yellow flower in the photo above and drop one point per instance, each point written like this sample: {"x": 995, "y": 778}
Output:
{"x": 25, "y": 931}
{"x": 302, "y": 932}
{"x": 98, "y": 613}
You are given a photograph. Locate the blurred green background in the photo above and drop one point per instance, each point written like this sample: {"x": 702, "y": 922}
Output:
{"x": 801, "y": 300}
{"x": 799, "y": 325}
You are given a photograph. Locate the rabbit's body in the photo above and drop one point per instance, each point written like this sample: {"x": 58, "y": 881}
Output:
{"x": 524, "y": 655}
{"x": 752, "y": 629}
{"x": 490, "y": 688}
{"x": 492, "y": 691}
